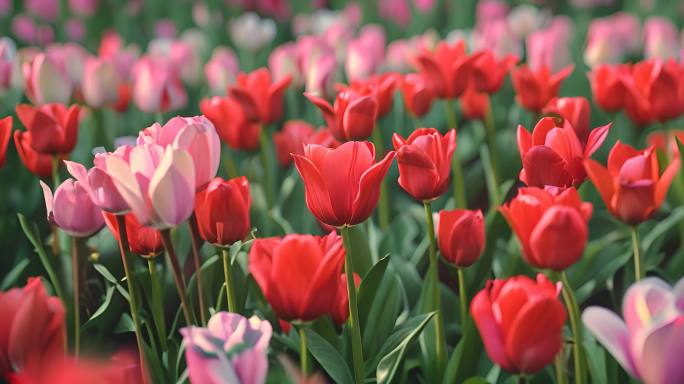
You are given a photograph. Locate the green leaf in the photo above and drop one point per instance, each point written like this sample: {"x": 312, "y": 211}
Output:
{"x": 476, "y": 380}
{"x": 102, "y": 308}
{"x": 382, "y": 314}
{"x": 368, "y": 289}
{"x": 13, "y": 275}
{"x": 391, "y": 361}
{"x": 102, "y": 270}
{"x": 463, "y": 361}
{"x": 329, "y": 358}
{"x": 361, "y": 252}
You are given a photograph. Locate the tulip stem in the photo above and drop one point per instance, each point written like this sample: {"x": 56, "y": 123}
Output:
{"x": 637, "y": 253}
{"x": 157, "y": 303}
{"x": 197, "y": 259}
{"x": 522, "y": 379}
{"x": 55, "y": 171}
{"x": 459, "y": 189}
{"x": 133, "y": 297}
{"x": 434, "y": 271}
{"x": 75, "y": 266}
{"x": 463, "y": 299}
{"x": 354, "y": 325}
{"x": 383, "y": 204}
{"x": 303, "y": 351}
{"x": 230, "y": 295}
{"x": 560, "y": 367}
{"x": 575, "y": 326}
{"x": 490, "y": 131}
{"x": 177, "y": 274}
{"x": 229, "y": 166}
{"x": 451, "y": 115}
{"x": 266, "y": 165}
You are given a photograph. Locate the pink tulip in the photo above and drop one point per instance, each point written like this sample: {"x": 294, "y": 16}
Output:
{"x": 72, "y": 210}
{"x": 46, "y": 80}
{"x": 490, "y": 11}
{"x": 24, "y": 28}
{"x": 231, "y": 349}
{"x": 157, "y": 183}
{"x": 196, "y": 135}
{"x": 221, "y": 70}
{"x": 660, "y": 38}
{"x": 75, "y": 29}
{"x": 8, "y": 63}
{"x": 497, "y": 37}
{"x": 320, "y": 76}
{"x": 72, "y": 57}
{"x": 550, "y": 47}
{"x": 47, "y": 10}
{"x": 5, "y": 7}
{"x": 157, "y": 86}
{"x": 100, "y": 83}
{"x": 397, "y": 11}
{"x": 83, "y": 8}
{"x": 365, "y": 53}
{"x": 283, "y": 62}
{"x": 649, "y": 342}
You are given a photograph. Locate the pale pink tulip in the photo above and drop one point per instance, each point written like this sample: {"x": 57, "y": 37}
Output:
{"x": 100, "y": 82}
{"x": 72, "y": 210}
{"x": 660, "y": 38}
{"x": 46, "y": 80}
{"x": 283, "y": 62}
{"x": 365, "y": 54}
{"x": 221, "y": 70}
{"x": 157, "y": 86}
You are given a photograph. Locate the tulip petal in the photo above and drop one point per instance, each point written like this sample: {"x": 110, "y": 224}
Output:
{"x": 248, "y": 104}
{"x": 324, "y": 106}
{"x": 359, "y": 118}
{"x": 543, "y": 166}
{"x": 369, "y": 189}
{"x": 128, "y": 187}
{"x": 601, "y": 178}
{"x": 665, "y": 181}
{"x": 596, "y": 137}
{"x": 524, "y": 141}
{"x": 618, "y": 155}
{"x": 317, "y": 196}
{"x": 49, "y": 200}
{"x": 643, "y": 300}
{"x": 613, "y": 334}
{"x": 559, "y": 238}
{"x": 490, "y": 333}
{"x": 661, "y": 360}
{"x": 172, "y": 188}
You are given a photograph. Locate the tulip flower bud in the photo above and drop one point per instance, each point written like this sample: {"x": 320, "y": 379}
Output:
{"x": 607, "y": 88}
{"x": 40, "y": 164}
{"x": 157, "y": 86}
{"x": 222, "y": 211}
{"x": 98, "y": 184}
{"x": 295, "y": 135}
{"x": 282, "y": 62}
{"x": 520, "y": 321}
{"x": 46, "y": 80}
{"x": 143, "y": 241}
{"x": 5, "y": 134}
{"x": 461, "y": 236}
{"x": 231, "y": 123}
{"x": 475, "y": 105}
{"x": 352, "y": 117}
{"x": 490, "y": 72}
{"x": 447, "y": 70}
{"x": 661, "y": 38}
{"x": 221, "y": 70}
{"x": 100, "y": 83}
{"x": 53, "y": 127}
{"x": 575, "y": 110}
{"x": 534, "y": 89}
{"x": 260, "y": 98}
{"x": 252, "y": 33}
{"x": 298, "y": 274}
{"x": 72, "y": 210}
{"x": 366, "y": 53}
{"x": 381, "y": 87}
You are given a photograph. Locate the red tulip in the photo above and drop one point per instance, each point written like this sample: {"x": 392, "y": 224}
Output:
{"x": 520, "y": 321}
{"x": 574, "y": 110}
{"x": 295, "y": 135}
{"x": 5, "y": 134}
{"x": 65, "y": 370}
{"x": 448, "y": 69}
{"x": 665, "y": 142}
{"x": 461, "y": 236}
{"x": 425, "y": 162}
{"x": 298, "y": 274}
{"x": 143, "y": 241}
{"x": 231, "y": 123}
{"x": 352, "y": 117}
{"x": 53, "y": 127}
{"x": 342, "y": 184}
{"x": 631, "y": 186}
{"x": 222, "y": 210}
{"x": 340, "y": 310}
{"x": 534, "y": 89}
{"x": 475, "y": 105}
{"x": 489, "y": 72}
{"x": 607, "y": 88}
{"x": 418, "y": 95}
{"x": 40, "y": 164}
{"x": 31, "y": 328}
{"x": 654, "y": 91}
{"x": 260, "y": 98}
{"x": 552, "y": 226}
{"x": 553, "y": 155}
{"x": 381, "y": 87}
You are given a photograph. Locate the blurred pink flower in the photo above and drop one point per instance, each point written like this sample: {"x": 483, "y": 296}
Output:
{"x": 83, "y": 8}
{"x": 497, "y": 37}
{"x": 75, "y": 29}
{"x": 366, "y": 53}
{"x": 47, "y": 10}
{"x": 550, "y": 47}
{"x": 100, "y": 82}
{"x": 397, "y": 11}
{"x": 488, "y": 11}
{"x": 221, "y": 70}
{"x": 660, "y": 38}
{"x": 165, "y": 28}
{"x": 157, "y": 86}
{"x": 46, "y": 80}
{"x": 282, "y": 62}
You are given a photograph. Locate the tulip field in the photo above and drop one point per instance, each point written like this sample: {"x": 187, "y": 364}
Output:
{"x": 328, "y": 191}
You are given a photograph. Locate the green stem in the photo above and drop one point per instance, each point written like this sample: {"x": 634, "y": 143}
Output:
{"x": 101, "y": 136}
{"x": 75, "y": 283}
{"x": 197, "y": 260}
{"x": 559, "y": 363}
{"x": 354, "y": 325}
{"x": 522, "y": 379}
{"x": 55, "y": 171}
{"x": 229, "y": 166}
{"x": 434, "y": 270}
{"x": 383, "y": 204}
{"x": 451, "y": 115}
{"x": 177, "y": 274}
{"x": 303, "y": 351}
{"x": 637, "y": 253}
{"x": 132, "y": 294}
{"x": 230, "y": 295}
{"x": 463, "y": 299}
{"x": 459, "y": 188}
{"x": 157, "y": 303}
{"x": 264, "y": 150}
{"x": 575, "y": 326}
{"x": 490, "y": 130}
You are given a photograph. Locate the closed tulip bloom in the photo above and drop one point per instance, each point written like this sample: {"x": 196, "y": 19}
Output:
{"x": 489, "y": 72}
{"x": 319, "y": 75}
{"x": 649, "y": 342}
{"x": 340, "y": 310}
{"x": 157, "y": 183}
{"x": 5, "y": 134}
{"x": 631, "y": 186}
{"x": 231, "y": 123}
{"x": 461, "y": 236}
{"x": 53, "y": 127}
{"x": 100, "y": 86}
{"x": 352, "y": 117}
{"x": 534, "y": 89}
{"x": 261, "y": 98}
{"x": 553, "y": 155}
{"x": 654, "y": 91}
{"x": 448, "y": 69}
{"x": 295, "y": 135}
{"x": 520, "y": 321}
{"x": 32, "y": 331}
{"x": 143, "y": 241}
{"x": 298, "y": 274}
{"x": 381, "y": 87}
{"x": 71, "y": 209}
{"x": 365, "y": 54}
{"x": 46, "y": 80}
{"x": 607, "y": 88}
{"x": 231, "y": 349}
{"x": 40, "y": 164}
{"x": 196, "y": 135}
{"x": 342, "y": 184}
{"x": 282, "y": 62}
{"x": 475, "y": 105}
{"x": 417, "y": 94}
{"x": 221, "y": 70}
{"x": 551, "y": 226}
{"x": 574, "y": 110}
{"x": 425, "y": 162}
{"x": 157, "y": 86}
{"x": 222, "y": 210}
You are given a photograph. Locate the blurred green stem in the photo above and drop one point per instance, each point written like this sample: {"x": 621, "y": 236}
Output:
{"x": 490, "y": 131}
{"x": 383, "y": 204}
{"x": 195, "y": 241}
{"x": 434, "y": 271}
{"x": 177, "y": 274}
{"x": 230, "y": 295}
{"x": 75, "y": 285}
{"x": 264, "y": 149}
{"x": 459, "y": 188}
{"x": 463, "y": 299}
{"x": 637, "y": 253}
{"x": 157, "y": 303}
{"x": 559, "y": 363}
{"x": 229, "y": 165}
{"x": 101, "y": 136}
{"x": 575, "y": 326}
{"x": 354, "y": 325}
{"x": 303, "y": 351}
